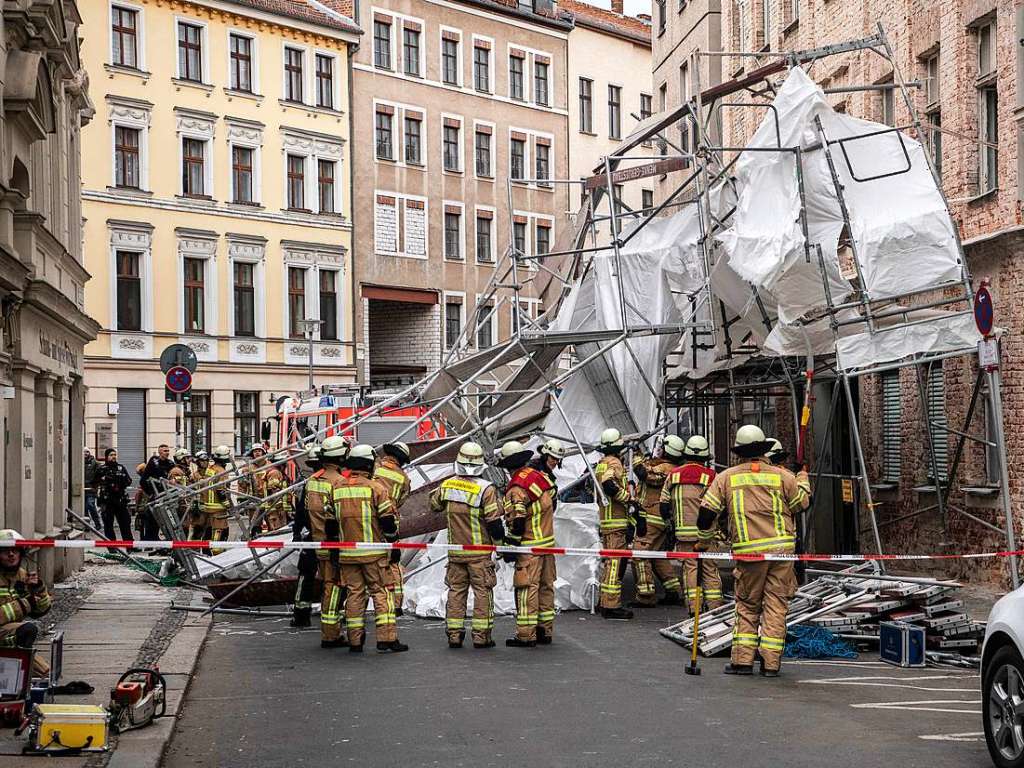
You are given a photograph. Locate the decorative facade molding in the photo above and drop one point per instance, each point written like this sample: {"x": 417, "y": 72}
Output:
{"x": 195, "y": 123}
{"x": 246, "y": 247}
{"x": 314, "y": 253}
{"x": 244, "y": 131}
{"x": 130, "y": 235}
{"x": 196, "y": 243}
{"x": 131, "y": 346}
{"x": 133, "y": 112}
{"x": 323, "y": 146}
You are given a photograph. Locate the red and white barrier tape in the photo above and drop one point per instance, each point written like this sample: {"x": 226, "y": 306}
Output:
{"x": 479, "y": 548}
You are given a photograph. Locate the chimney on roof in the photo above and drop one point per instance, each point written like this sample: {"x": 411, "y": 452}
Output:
{"x": 617, "y": 6}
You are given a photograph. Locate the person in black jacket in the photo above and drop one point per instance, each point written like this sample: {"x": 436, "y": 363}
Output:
{"x": 112, "y": 486}
{"x": 157, "y": 469}
{"x": 91, "y": 473}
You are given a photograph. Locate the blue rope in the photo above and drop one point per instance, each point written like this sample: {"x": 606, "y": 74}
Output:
{"x": 807, "y": 642}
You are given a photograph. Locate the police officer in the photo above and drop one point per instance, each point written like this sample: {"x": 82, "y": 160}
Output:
{"x": 757, "y": 502}
{"x": 619, "y": 522}
{"x": 112, "y": 495}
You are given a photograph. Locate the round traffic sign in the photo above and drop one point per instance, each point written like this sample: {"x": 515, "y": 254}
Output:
{"x": 179, "y": 379}
{"x": 178, "y": 354}
{"x": 984, "y": 312}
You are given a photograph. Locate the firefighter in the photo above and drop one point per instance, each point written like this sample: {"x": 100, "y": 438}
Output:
{"x": 23, "y": 596}
{"x": 757, "y": 501}
{"x": 179, "y": 476}
{"x": 302, "y": 606}
{"x": 679, "y": 504}
{"x": 652, "y": 472}
{"x": 366, "y": 513}
{"x": 529, "y": 520}
{"x": 618, "y": 522}
{"x": 550, "y": 456}
{"x": 216, "y": 499}
{"x": 389, "y": 472}
{"x": 202, "y": 461}
{"x": 777, "y": 455}
{"x": 320, "y": 511}
{"x": 471, "y": 505}
{"x": 277, "y": 509}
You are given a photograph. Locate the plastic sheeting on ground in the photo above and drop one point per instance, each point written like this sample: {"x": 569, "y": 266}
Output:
{"x": 575, "y": 526}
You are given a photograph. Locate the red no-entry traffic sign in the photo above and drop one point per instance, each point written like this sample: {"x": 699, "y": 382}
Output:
{"x": 178, "y": 380}
{"x": 984, "y": 312}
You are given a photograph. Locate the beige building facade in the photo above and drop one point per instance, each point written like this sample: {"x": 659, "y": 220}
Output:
{"x": 452, "y": 99}
{"x": 218, "y": 205}
{"x": 43, "y": 323}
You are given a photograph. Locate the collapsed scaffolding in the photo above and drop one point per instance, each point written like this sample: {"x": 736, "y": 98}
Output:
{"x": 758, "y": 276}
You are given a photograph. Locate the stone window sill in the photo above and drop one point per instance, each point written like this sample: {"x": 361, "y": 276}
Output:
{"x": 983, "y": 197}
{"x": 116, "y": 69}
{"x": 180, "y": 83}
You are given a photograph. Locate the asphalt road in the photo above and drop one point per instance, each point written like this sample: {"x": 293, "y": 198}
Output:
{"x": 604, "y": 694}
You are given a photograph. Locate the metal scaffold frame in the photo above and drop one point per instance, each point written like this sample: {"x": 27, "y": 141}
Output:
{"x": 505, "y": 390}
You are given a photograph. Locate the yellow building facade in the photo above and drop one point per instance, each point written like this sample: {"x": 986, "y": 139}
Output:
{"x": 217, "y": 205}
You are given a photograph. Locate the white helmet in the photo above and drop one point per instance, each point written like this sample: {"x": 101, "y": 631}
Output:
{"x": 511, "y": 448}
{"x": 222, "y": 452}
{"x": 180, "y": 453}
{"x": 470, "y": 461}
{"x": 611, "y": 438}
{"x": 698, "y": 448}
{"x": 553, "y": 448}
{"x": 360, "y": 456}
{"x": 257, "y": 447}
{"x": 775, "y": 450}
{"x": 749, "y": 434}
{"x": 9, "y": 534}
{"x": 674, "y": 447}
{"x": 334, "y": 447}
{"x": 202, "y": 456}
{"x": 397, "y": 450}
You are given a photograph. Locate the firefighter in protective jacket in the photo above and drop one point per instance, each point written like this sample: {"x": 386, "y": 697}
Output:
{"x": 366, "y": 514}
{"x": 652, "y": 472}
{"x": 23, "y": 596}
{"x": 758, "y": 502}
{"x": 389, "y": 472}
{"x": 471, "y": 506}
{"x": 619, "y": 521}
{"x": 679, "y": 504}
{"x": 324, "y": 526}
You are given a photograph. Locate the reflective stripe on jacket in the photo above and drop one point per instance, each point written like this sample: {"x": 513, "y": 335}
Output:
{"x": 469, "y": 503}
{"x": 614, "y": 513}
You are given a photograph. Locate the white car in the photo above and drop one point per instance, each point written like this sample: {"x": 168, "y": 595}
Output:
{"x": 1002, "y": 681}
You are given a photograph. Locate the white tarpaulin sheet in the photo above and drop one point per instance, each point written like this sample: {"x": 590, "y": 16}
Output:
{"x": 952, "y": 333}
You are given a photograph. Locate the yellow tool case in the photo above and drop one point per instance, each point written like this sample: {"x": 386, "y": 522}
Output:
{"x": 68, "y": 726}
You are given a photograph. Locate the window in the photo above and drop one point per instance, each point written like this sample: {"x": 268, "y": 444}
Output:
{"x": 451, "y": 148}
{"x": 245, "y": 298}
{"x": 988, "y": 110}
{"x": 888, "y": 103}
{"x": 126, "y": 157}
{"x": 518, "y": 159}
{"x": 241, "y": 63}
{"x": 296, "y": 182}
{"x": 383, "y": 136}
{"x": 293, "y": 74}
{"x": 452, "y": 324}
{"x": 586, "y": 105}
{"x": 241, "y": 174}
{"x": 660, "y": 4}
{"x": 328, "y": 305}
{"x": 542, "y": 242}
{"x": 124, "y": 23}
{"x": 324, "y": 81}
{"x": 482, "y": 154}
{"x": 519, "y": 237}
{"x": 484, "y": 254}
{"x": 482, "y": 69}
{"x": 382, "y": 44}
{"x": 892, "y": 427}
{"x": 766, "y": 24}
{"x": 190, "y": 52}
{"x": 684, "y": 123}
{"x": 413, "y": 143}
{"x": 646, "y": 105}
{"x": 193, "y": 176}
{"x": 647, "y": 199}
{"x": 931, "y": 80}
{"x": 197, "y": 422}
{"x": 129, "y": 291}
{"x": 933, "y": 115}
{"x": 540, "y": 83}
{"x": 450, "y": 60}
{"x": 411, "y": 51}
{"x": 325, "y": 185}
{"x": 935, "y": 381}
{"x": 934, "y": 121}
{"x": 195, "y": 310}
{"x": 543, "y": 152}
{"x": 246, "y": 416}
{"x": 484, "y": 326}
{"x": 614, "y": 112}
{"x": 515, "y": 78}
{"x": 452, "y": 236}
{"x": 296, "y": 301}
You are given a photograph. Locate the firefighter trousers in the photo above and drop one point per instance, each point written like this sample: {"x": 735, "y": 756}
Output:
{"x": 711, "y": 579}
{"x": 763, "y": 591}
{"x": 397, "y": 581}
{"x": 332, "y": 597}
{"x": 462, "y": 574}
{"x": 40, "y": 665}
{"x": 534, "y": 585}
{"x": 611, "y": 570}
{"x": 645, "y": 571}
{"x": 366, "y": 580}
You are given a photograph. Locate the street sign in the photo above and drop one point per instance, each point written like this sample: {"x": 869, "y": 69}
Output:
{"x": 178, "y": 380}
{"x": 656, "y": 168}
{"x": 984, "y": 312}
{"x": 178, "y": 355}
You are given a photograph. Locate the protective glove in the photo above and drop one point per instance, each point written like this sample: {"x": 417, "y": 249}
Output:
{"x": 21, "y": 589}
{"x": 630, "y": 533}
{"x": 641, "y": 526}
{"x": 332, "y": 531}
{"x": 395, "y": 557}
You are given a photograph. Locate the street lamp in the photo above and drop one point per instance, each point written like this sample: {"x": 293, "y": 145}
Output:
{"x": 309, "y": 329}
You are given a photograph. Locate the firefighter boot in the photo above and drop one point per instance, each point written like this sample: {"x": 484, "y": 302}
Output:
{"x": 301, "y": 617}
{"x": 671, "y": 598}
{"x": 455, "y": 641}
{"x": 767, "y": 672}
{"x": 338, "y": 642}
{"x": 515, "y": 642}
{"x": 739, "y": 669}
{"x": 392, "y": 646}
{"x": 543, "y": 638}
{"x": 616, "y": 613}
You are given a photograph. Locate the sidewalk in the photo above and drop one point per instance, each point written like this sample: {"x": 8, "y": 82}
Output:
{"x": 114, "y": 618}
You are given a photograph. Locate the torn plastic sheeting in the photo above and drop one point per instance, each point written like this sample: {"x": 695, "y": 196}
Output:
{"x": 575, "y": 526}
{"x": 951, "y": 333}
